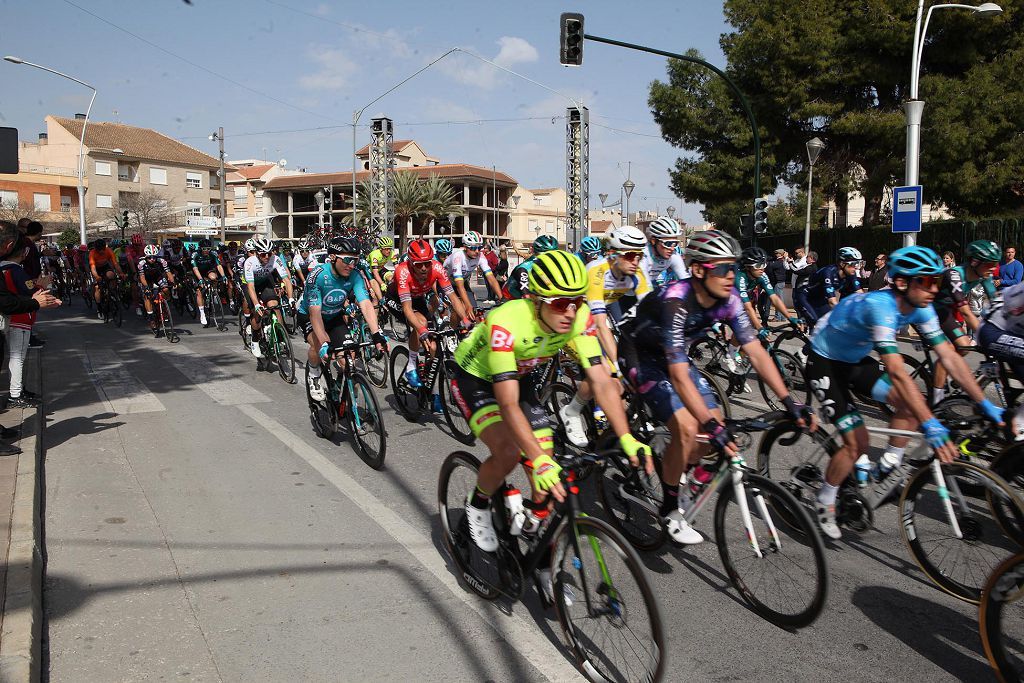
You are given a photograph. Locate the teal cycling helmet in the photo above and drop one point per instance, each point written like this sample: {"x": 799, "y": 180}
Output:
{"x": 544, "y": 243}
{"x": 914, "y": 261}
{"x": 443, "y": 246}
{"x": 591, "y": 245}
{"x": 984, "y": 250}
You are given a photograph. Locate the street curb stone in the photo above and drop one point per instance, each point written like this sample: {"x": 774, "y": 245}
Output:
{"x": 20, "y": 641}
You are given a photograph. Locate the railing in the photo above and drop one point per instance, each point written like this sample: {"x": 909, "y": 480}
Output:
{"x": 50, "y": 170}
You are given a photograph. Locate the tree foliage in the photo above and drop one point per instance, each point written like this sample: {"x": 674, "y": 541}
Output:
{"x": 840, "y": 70}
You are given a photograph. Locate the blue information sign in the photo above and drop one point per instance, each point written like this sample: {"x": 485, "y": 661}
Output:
{"x": 906, "y": 210}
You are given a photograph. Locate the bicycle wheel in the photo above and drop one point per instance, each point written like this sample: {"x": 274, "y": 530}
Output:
{"x": 556, "y": 396}
{"x": 1001, "y": 618}
{"x": 191, "y": 304}
{"x": 244, "y": 330}
{"x": 605, "y": 604}
{"x": 87, "y": 296}
{"x": 452, "y": 412}
{"x": 478, "y": 570}
{"x": 406, "y": 398}
{"x": 399, "y": 330}
{"x": 115, "y": 312}
{"x": 282, "y": 351}
{"x": 290, "y": 315}
{"x": 631, "y": 501}
{"x": 788, "y": 584}
{"x": 978, "y": 498}
{"x": 797, "y": 340}
{"x": 792, "y": 371}
{"x": 720, "y": 394}
{"x": 709, "y": 354}
{"x": 375, "y": 362}
{"x": 167, "y": 322}
{"x": 366, "y": 424}
{"x": 323, "y": 415}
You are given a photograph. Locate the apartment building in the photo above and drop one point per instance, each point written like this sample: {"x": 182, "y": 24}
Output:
{"x": 48, "y": 194}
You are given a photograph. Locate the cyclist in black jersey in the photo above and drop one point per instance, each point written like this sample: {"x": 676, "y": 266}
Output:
{"x": 205, "y": 265}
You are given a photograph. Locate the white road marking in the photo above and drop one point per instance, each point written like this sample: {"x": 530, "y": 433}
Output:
{"x": 517, "y": 631}
{"x": 212, "y": 380}
{"x": 121, "y": 392}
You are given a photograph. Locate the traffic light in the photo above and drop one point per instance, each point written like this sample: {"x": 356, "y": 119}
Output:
{"x": 747, "y": 226}
{"x": 571, "y": 39}
{"x": 760, "y": 216}
{"x": 124, "y": 219}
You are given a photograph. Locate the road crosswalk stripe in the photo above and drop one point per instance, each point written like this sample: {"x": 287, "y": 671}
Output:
{"x": 215, "y": 382}
{"x": 122, "y": 392}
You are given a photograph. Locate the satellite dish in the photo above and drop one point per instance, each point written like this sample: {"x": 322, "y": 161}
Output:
{"x": 282, "y": 163}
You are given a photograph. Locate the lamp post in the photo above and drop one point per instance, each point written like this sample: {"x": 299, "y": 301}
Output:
{"x": 628, "y": 188}
{"x": 319, "y": 197}
{"x": 814, "y": 147}
{"x": 671, "y": 210}
{"x": 218, "y": 135}
{"x": 914, "y": 107}
{"x": 81, "y": 145}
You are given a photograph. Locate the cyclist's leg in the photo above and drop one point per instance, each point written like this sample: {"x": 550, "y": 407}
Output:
{"x": 955, "y": 333}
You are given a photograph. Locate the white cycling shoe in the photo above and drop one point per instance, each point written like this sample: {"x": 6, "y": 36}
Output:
{"x": 316, "y": 388}
{"x": 679, "y": 530}
{"x": 575, "y": 428}
{"x": 827, "y": 521}
{"x": 254, "y": 346}
{"x": 547, "y": 585}
{"x": 481, "y": 527}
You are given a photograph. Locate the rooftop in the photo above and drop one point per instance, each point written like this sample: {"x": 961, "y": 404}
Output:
{"x": 139, "y": 143}
{"x": 345, "y": 177}
{"x": 250, "y": 172}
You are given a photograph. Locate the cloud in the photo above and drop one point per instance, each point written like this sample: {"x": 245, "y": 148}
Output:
{"x": 322, "y": 10}
{"x": 512, "y": 51}
{"x": 335, "y": 69}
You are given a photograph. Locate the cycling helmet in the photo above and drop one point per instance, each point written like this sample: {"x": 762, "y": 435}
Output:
{"x": 385, "y": 242}
{"x": 262, "y": 245}
{"x": 711, "y": 245}
{"x": 627, "y": 238}
{"x": 420, "y": 250}
{"x": 753, "y": 256}
{"x": 175, "y": 242}
{"x": 343, "y": 245}
{"x": 205, "y": 244}
{"x": 249, "y": 245}
{"x": 544, "y": 243}
{"x": 558, "y": 273}
{"x": 443, "y": 246}
{"x": 849, "y": 255}
{"x": 914, "y": 261}
{"x": 664, "y": 228}
{"x": 472, "y": 240}
{"x": 591, "y": 245}
{"x": 137, "y": 240}
{"x": 151, "y": 250}
{"x": 983, "y": 250}
{"x": 99, "y": 245}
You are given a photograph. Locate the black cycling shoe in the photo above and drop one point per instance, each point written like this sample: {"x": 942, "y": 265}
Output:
{"x": 21, "y": 402}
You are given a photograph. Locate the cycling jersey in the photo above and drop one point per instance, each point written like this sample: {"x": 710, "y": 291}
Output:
{"x": 154, "y": 269}
{"x": 510, "y": 342}
{"x": 172, "y": 257}
{"x": 405, "y": 286}
{"x": 605, "y": 287}
{"x": 660, "y": 271}
{"x": 302, "y": 265}
{"x": 954, "y": 289}
{"x": 861, "y": 322}
{"x": 134, "y": 253}
{"x": 663, "y": 325}
{"x": 205, "y": 262}
{"x": 747, "y": 285}
{"x": 101, "y": 259}
{"x": 376, "y": 259}
{"x": 518, "y": 283}
{"x": 459, "y": 266}
{"x": 262, "y": 276}
{"x": 329, "y": 291}
{"x": 826, "y": 283}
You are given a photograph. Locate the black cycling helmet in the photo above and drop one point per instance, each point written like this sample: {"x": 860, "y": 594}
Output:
{"x": 100, "y": 244}
{"x": 205, "y": 243}
{"x": 753, "y": 256}
{"x": 343, "y": 245}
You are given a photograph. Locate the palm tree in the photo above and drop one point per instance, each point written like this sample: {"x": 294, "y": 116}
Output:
{"x": 407, "y": 194}
{"x": 439, "y": 200}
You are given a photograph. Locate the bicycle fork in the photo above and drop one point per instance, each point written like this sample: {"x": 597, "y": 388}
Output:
{"x": 947, "y": 504}
{"x": 736, "y": 471}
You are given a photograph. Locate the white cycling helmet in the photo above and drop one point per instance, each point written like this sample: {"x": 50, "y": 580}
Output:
{"x": 151, "y": 250}
{"x": 249, "y": 245}
{"x": 849, "y": 254}
{"x": 472, "y": 239}
{"x": 262, "y": 245}
{"x": 626, "y": 238}
{"x": 664, "y": 228}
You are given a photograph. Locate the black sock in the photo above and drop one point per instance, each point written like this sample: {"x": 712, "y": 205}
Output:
{"x": 670, "y": 500}
{"x": 480, "y": 500}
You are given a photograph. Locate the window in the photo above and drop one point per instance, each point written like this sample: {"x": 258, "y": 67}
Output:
{"x": 241, "y": 213}
{"x": 9, "y": 199}
{"x": 550, "y": 225}
{"x": 194, "y": 209}
{"x": 193, "y": 180}
{"x": 534, "y": 225}
{"x": 102, "y": 168}
{"x": 41, "y": 201}
{"x": 157, "y": 176}
{"x": 104, "y": 201}
{"x": 127, "y": 173}
{"x": 65, "y": 203}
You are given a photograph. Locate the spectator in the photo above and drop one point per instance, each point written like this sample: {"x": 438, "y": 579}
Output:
{"x": 501, "y": 270}
{"x": 949, "y": 259}
{"x": 1010, "y": 269}
{"x": 795, "y": 264}
{"x": 879, "y": 278}
{"x": 19, "y": 325}
{"x": 492, "y": 258}
{"x": 802, "y": 276}
{"x": 777, "y": 275}
{"x": 33, "y": 264}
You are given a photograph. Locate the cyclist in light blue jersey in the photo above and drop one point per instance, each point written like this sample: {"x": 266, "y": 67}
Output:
{"x": 840, "y": 364}
{"x": 590, "y": 249}
{"x": 662, "y": 263}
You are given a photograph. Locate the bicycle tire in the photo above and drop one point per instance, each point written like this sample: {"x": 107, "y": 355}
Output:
{"x": 556, "y": 395}
{"x": 619, "y": 489}
{"x": 1005, "y": 586}
{"x": 116, "y": 314}
{"x": 785, "y": 336}
{"x": 720, "y": 394}
{"x": 453, "y": 416}
{"x": 399, "y": 329}
{"x": 451, "y": 503}
{"x": 363, "y": 403}
{"x": 282, "y": 351}
{"x": 244, "y": 330}
{"x": 406, "y": 398}
{"x": 619, "y": 601}
{"x": 323, "y": 416}
{"x": 981, "y": 489}
{"x": 167, "y": 322}
{"x": 792, "y": 372}
{"x": 191, "y": 303}
{"x": 801, "y": 533}
{"x": 375, "y": 363}
{"x": 794, "y": 468}
{"x": 708, "y": 354}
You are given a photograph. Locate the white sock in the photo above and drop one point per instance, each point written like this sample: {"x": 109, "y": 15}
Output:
{"x": 202, "y": 316}
{"x": 827, "y": 493}
{"x": 893, "y": 457}
{"x": 938, "y": 394}
{"x": 576, "y": 405}
{"x": 314, "y": 371}
{"x": 411, "y": 365}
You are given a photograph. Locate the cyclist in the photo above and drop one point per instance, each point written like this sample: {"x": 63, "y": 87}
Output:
{"x": 379, "y": 259}
{"x": 519, "y": 279}
{"x": 154, "y": 276}
{"x": 827, "y": 285}
{"x": 206, "y": 266}
{"x": 1002, "y": 336}
{"x": 260, "y": 275}
{"x": 840, "y": 360}
{"x": 406, "y": 298}
{"x": 303, "y": 263}
{"x": 443, "y": 248}
{"x": 591, "y": 249}
{"x": 497, "y": 395}
{"x": 751, "y": 281}
{"x": 174, "y": 254}
{"x": 103, "y": 265}
{"x": 982, "y": 257}
{"x": 135, "y": 252}
{"x": 662, "y": 262}
{"x": 462, "y": 263}
{"x": 239, "y": 270}
{"x": 616, "y": 283}
{"x": 320, "y": 317}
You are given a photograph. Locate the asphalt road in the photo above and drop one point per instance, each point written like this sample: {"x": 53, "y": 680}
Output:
{"x": 197, "y": 529}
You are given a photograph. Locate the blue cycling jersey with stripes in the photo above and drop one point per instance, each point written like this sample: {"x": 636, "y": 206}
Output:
{"x": 326, "y": 289}
{"x": 827, "y": 283}
{"x": 862, "y": 322}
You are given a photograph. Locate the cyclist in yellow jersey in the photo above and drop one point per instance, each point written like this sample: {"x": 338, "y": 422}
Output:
{"x": 504, "y": 412}
{"x": 614, "y": 277}
{"x": 380, "y": 257}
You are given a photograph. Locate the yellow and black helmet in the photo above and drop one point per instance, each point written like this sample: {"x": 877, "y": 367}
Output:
{"x": 558, "y": 273}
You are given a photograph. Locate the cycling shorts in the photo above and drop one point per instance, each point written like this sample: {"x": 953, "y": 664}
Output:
{"x": 475, "y": 398}
{"x": 1003, "y": 346}
{"x": 649, "y": 378}
{"x": 419, "y": 304}
{"x": 104, "y": 269}
{"x": 834, "y": 383}
{"x": 336, "y": 327}
{"x": 949, "y": 322}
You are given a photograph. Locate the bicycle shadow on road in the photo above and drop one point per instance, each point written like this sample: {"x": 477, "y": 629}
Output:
{"x": 59, "y": 432}
{"x": 935, "y": 631}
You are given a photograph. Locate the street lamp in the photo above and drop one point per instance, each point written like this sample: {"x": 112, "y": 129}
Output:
{"x": 319, "y": 197}
{"x": 814, "y": 147}
{"x": 628, "y": 188}
{"x": 671, "y": 211}
{"x": 914, "y": 107}
{"x": 218, "y": 135}
{"x": 81, "y": 144}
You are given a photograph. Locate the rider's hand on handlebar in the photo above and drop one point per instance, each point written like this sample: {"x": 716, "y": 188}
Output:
{"x": 764, "y": 333}
{"x": 634, "y": 449}
{"x": 802, "y": 414}
{"x": 719, "y": 437}
{"x": 544, "y": 472}
{"x": 937, "y": 436}
{"x": 992, "y": 413}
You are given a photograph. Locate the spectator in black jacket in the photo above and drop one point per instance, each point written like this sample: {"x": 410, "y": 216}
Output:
{"x": 777, "y": 275}
{"x": 802, "y": 276}
{"x": 33, "y": 264}
{"x": 878, "y": 277}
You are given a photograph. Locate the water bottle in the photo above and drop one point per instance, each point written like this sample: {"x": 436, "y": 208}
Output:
{"x": 698, "y": 479}
{"x": 863, "y": 469}
{"x": 600, "y": 420}
{"x": 515, "y": 510}
{"x": 534, "y": 520}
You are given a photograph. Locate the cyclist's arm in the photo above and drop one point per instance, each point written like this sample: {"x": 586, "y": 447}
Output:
{"x": 755, "y": 319}
{"x": 766, "y": 368}
{"x": 779, "y": 305}
{"x": 92, "y": 265}
{"x": 195, "y": 271}
{"x": 369, "y": 315}
{"x": 446, "y": 287}
{"x": 492, "y": 282}
{"x": 959, "y": 370}
{"x": 460, "y": 291}
{"x": 507, "y": 394}
{"x": 905, "y": 387}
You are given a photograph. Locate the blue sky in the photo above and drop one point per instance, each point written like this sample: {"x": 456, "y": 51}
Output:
{"x": 305, "y": 64}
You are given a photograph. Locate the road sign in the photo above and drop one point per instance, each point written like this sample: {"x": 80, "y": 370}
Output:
{"x": 202, "y": 221}
{"x": 906, "y": 212}
{"x": 202, "y": 232}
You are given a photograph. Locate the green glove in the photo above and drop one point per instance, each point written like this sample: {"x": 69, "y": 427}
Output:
{"x": 545, "y": 472}
{"x": 632, "y": 447}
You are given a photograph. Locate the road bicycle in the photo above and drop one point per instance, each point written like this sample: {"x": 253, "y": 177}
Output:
{"x": 604, "y": 601}
{"x": 958, "y": 520}
{"x": 275, "y": 344}
{"x": 289, "y": 311}
{"x": 162, "y": 311}
{"x": 213, "y": 303}
{"x": 109, "y": 306}
{"x": 999, "y": 619}
{"x": 375, "y": 361}
{"x": 396, "y": 328}
{"x": 350, "y": 400}
{"x": 184, "y": 294}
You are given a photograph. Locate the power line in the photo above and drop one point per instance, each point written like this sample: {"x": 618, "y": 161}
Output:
{"x": 621, "y": 130}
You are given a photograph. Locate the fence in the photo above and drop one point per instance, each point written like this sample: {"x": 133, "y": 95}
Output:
{"x": 941, "y": 236}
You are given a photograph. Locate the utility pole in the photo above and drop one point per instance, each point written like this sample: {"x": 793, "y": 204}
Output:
{"x": 219, "y": 136}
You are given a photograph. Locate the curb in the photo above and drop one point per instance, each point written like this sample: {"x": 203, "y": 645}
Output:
{"x": 20, "y": 641}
